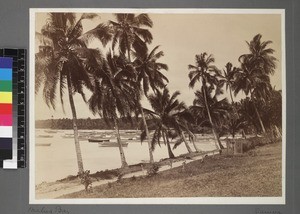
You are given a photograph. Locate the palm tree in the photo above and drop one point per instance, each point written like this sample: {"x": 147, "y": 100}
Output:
{"x": 206, "y": 74}
{"x": 218, "y": 109}
{"x": 64, "y": 61}
{"x": 261, "y": 56}
{"x": 160, "y": 131}
{"x": 184, "y": 120}
{"x": 228, "y": 78}
{"x": 256, "y": 85}
{"x": 256, "y": 68}
{"x": 169, "y": 114}
{"x": 130, "y": 32}
{"x": 149, "y": 76}
{"x": 113, "y": 94}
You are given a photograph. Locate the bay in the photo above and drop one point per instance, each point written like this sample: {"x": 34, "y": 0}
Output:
{"x": 58, "y": 160}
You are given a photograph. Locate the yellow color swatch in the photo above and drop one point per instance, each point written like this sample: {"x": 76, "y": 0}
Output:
{"x": 5, "y": 97}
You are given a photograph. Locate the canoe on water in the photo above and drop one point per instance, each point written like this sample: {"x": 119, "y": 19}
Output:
{"x": 112, "y": 144}
{"x": 43, "y": 144}
{"x": 45, "y": 136}
{"x": 98, "y": 140}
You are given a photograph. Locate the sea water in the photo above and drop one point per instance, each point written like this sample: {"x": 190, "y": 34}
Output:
{"x": 59, "y": 160}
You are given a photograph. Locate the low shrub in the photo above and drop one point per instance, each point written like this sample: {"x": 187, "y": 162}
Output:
{"x": 153, "y": 169}
{"x": 86, "y": 180}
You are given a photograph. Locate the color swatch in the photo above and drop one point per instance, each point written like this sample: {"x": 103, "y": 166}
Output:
{"x": 13, "y": 102}
{"x": 6, "y": 108}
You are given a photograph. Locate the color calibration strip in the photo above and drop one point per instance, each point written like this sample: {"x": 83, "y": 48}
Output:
{"x": 6, "y": 108}
{"x": 18, "y": 108}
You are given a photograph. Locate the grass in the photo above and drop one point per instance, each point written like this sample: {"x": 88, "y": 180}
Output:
{"x": 256, "y": 173}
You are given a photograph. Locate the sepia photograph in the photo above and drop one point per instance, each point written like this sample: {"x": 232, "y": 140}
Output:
{"x": 157, "y": 106}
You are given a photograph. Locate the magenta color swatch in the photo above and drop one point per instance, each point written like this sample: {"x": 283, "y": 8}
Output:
{"x": 5, "y": 120}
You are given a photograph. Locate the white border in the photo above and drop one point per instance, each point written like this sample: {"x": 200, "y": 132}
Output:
{"x": 190, "y": 200}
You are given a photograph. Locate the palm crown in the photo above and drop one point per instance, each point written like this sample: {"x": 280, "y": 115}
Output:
{"x": 149, "y": 70}
{"x": 129, "y": 32}
{"x": 64, "y": 53}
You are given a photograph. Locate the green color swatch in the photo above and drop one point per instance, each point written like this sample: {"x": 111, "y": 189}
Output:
{"x": 5, "y": 85}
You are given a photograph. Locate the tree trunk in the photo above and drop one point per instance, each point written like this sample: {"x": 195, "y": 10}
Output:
{"x": 218, "y": 142}
{"x": 166, "y": 140}
{"x": 128, "y": 49}
{"x": 186, "y": 143}
{"x": 194, "y": 144}
{"x": 75, "y": 128}
{"x": 278, "y": 133}
{"x": 233, "y": 104}
{"x": 147, "y": 135}
{"x": 123, "y": 159}
{"x": 230, "y": 92}
{"x": 259, "y": 119}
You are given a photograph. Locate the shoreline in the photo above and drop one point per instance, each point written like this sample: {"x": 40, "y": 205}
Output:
{"x": 256, "y": 173}
{"x": 71, "y": 184}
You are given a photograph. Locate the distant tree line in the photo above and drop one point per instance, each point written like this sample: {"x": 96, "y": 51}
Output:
{"x": 66, "y": 123}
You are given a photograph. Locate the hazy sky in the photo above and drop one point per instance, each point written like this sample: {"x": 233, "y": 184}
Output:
{"x": 181, "y": 37}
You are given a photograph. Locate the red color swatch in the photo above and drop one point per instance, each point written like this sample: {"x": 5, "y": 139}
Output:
{"x": 5, "y": 109}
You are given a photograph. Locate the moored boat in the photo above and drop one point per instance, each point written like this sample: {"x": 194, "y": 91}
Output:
{"x": 43, "y": 144}
{"x": 97, "y": 140}
{"x": 45, "y": 136}
{"x": 112, "y": 144}
{"x": 50, "y": 131}
{"x": 130, "y": 132}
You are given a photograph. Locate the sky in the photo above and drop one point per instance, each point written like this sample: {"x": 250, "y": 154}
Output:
{"x": 181, "y": 37}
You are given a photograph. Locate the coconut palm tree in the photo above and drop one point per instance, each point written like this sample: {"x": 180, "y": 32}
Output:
{"x": 149, "y": 76}
{"x": 228, "y": 78}
{"x": 169, "y": 114}
{"x": 261, "y": 56}
{"x": 130, "y": 32}
{"x": 247, "y": 113}
{"x": 252, "y": 83}
{"x": 64, "y": 62}
{"x": 257, "y": 66}
{"x": 160, "y": 132}
{"x": 206, "y": 74}
{"x": 113, "y": 94}
{"x": 218, "y": 109}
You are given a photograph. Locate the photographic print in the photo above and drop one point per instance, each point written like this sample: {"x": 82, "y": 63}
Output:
{"x": 157, "y": 106}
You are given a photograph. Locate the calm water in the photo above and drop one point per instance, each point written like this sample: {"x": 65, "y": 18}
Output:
{"x": 59, "y": 160}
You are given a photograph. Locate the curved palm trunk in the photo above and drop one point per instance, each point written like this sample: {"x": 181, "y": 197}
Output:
{"x": 75, "y": 128}
{"x": 232, "y": 102}
{"x": 147, "y": 137}
{"x": 194, "y": 144}
{"x": 123, "y": 159}
{"x": 186, "y": 143}
{"x": 230, "y": 92}
{"x": 166, "y": 140}
{"x": 128, "y": 49}
{"x": 259, "y": 119}
{"x": 278, "y": 133}
{"x": 218, "y": 142}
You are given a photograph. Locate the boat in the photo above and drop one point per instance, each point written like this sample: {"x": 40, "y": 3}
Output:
{"x": 97, "y": 140}
{"x": 128, "y": 138}
{"x": 112, "y": 144}
{"x": 50, "y": 131}
{"x": 43, "y": 144}
{"x": 45, "y": 136}
{"x": 130, "y": 132}
{"x": 68, "y": 136}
